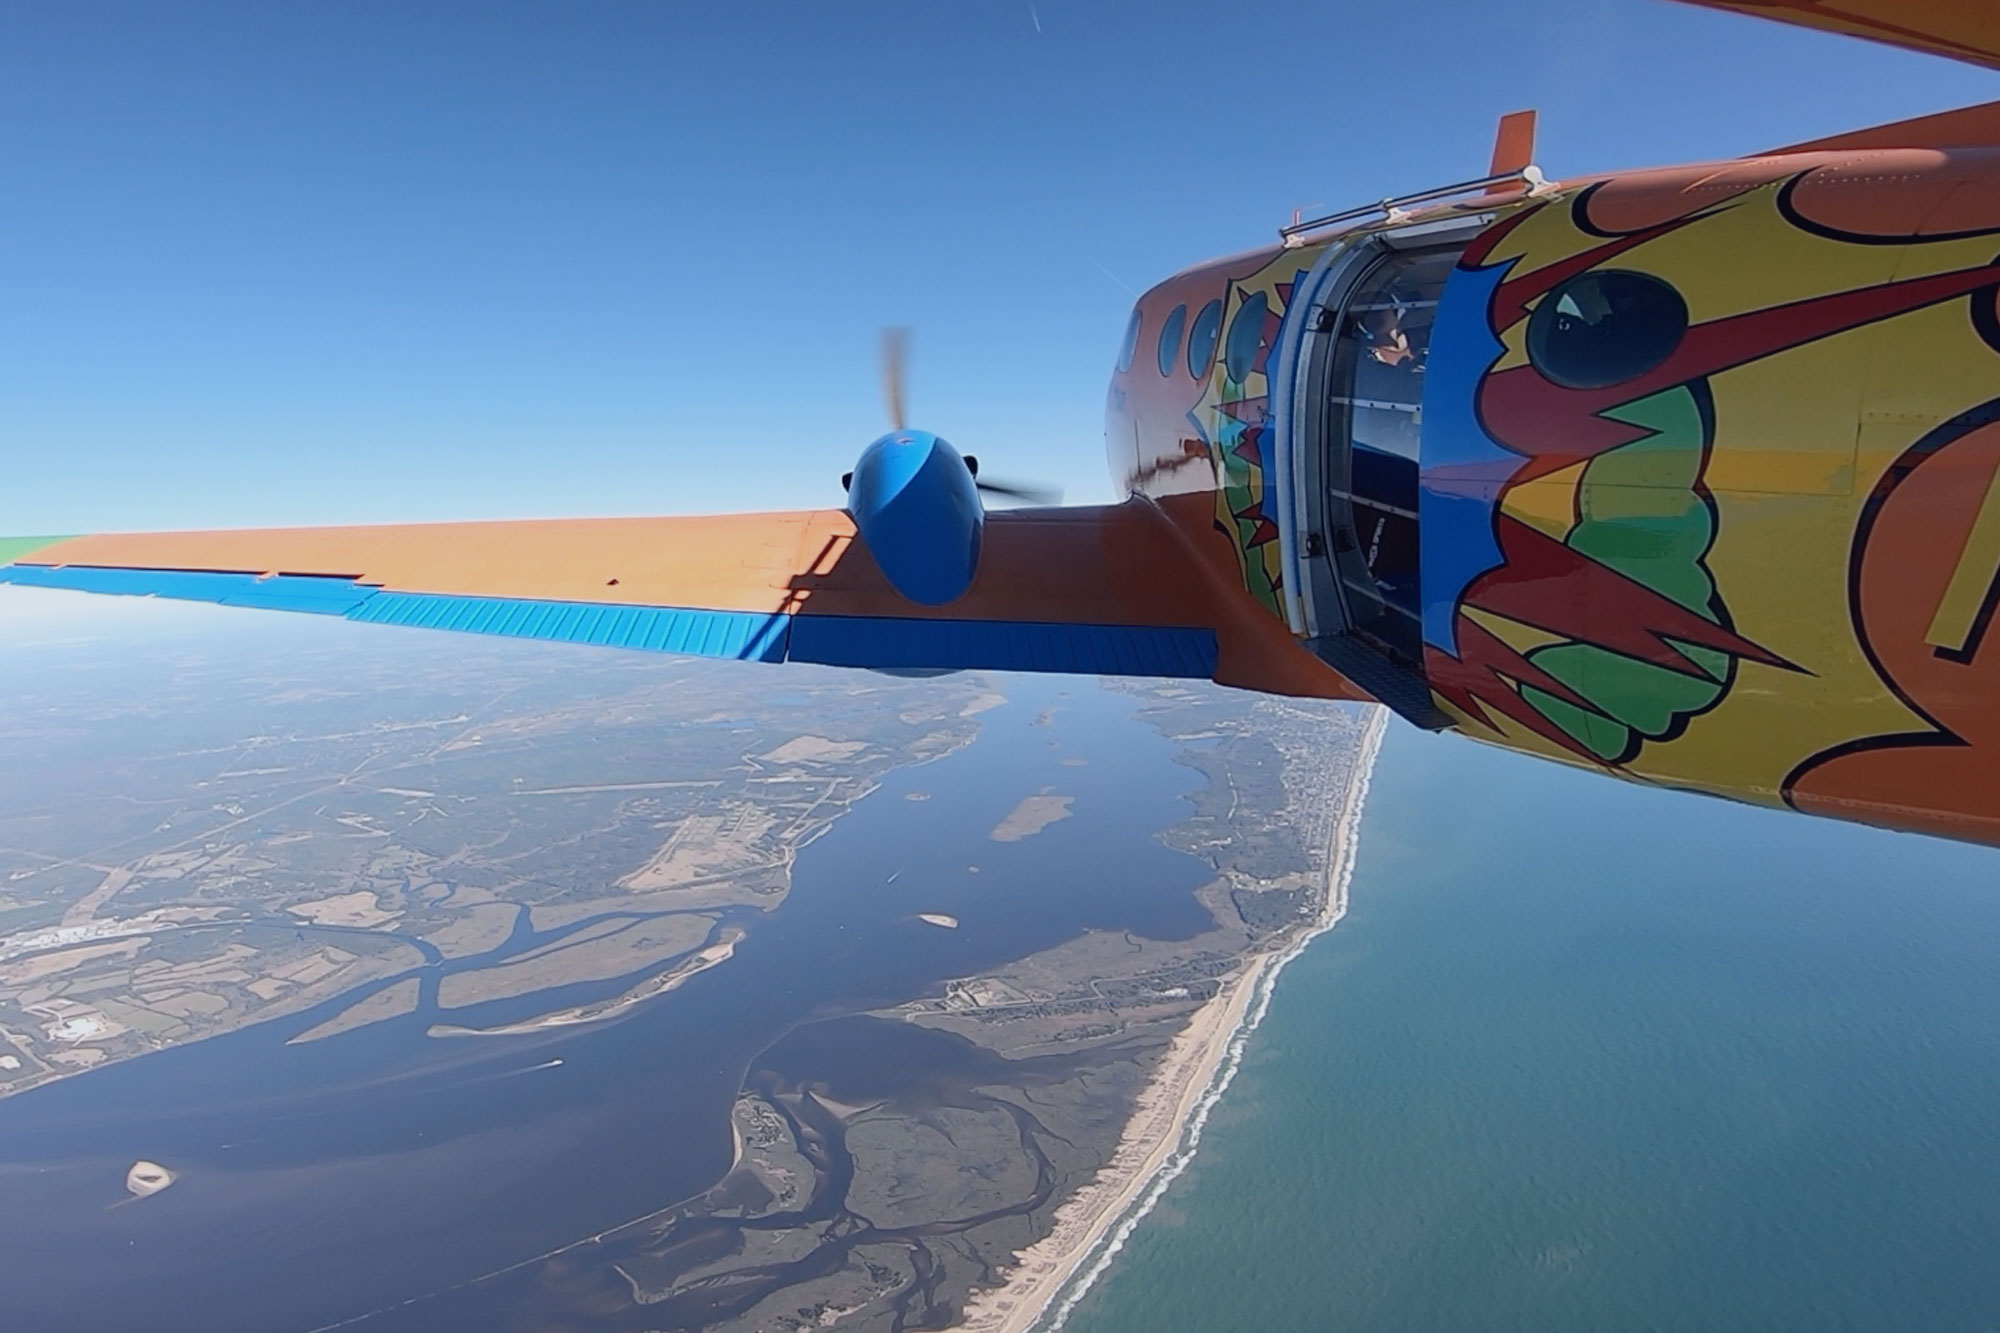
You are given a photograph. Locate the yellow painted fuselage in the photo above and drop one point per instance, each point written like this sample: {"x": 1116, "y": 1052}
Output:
{"x": 1708, "y": 491}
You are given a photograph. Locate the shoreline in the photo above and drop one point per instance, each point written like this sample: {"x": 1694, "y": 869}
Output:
{"x": 1049, "y": 1278}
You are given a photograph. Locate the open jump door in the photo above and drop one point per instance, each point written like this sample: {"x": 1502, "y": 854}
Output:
{"x": 1355, "y": 431}
{"x": 1348, "y": 401}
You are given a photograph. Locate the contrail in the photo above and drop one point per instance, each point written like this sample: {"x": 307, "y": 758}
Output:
{"x": 1115, "y": 278}
{"x": 1036, "y": 17}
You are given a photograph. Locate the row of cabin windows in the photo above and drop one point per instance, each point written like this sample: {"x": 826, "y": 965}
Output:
{"x": 1239, "y": 350}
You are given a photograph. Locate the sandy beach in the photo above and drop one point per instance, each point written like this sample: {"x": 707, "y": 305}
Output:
{"x": 1160, "y": 1138}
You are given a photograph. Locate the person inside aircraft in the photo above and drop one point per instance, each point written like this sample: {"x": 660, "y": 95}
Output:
{"x": 1386, "y": 339}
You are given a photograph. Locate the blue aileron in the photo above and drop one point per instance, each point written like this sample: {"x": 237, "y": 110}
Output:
{"x": 850, "y": 641}
{"x": 742, "y": 635}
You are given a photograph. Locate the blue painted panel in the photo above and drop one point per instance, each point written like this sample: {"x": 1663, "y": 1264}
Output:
{"x": 1118, "y": 650}
{"x": 1464, "y": 468}
{"x": 283, "y": 592}
{"x": 743, "y": 635}
{"x": 918, "y": 509}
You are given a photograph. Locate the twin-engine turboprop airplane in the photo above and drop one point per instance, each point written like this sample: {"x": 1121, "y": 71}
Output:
{"x": 1691, "y": 475}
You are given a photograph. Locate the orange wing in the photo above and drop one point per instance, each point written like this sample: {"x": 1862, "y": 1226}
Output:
{"x": 1963, "y": 29}
{"x": 1105, "y": 589}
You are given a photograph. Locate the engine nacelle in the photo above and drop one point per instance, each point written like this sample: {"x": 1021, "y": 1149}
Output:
{"x": 917, "y": 506}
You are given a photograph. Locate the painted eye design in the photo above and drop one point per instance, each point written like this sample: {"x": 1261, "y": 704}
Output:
{"x": 1604, "y": 328}
{"x": 1170, "y": 339}
{"x": 1246, "y": 335}
{"x": 1202, "y": 338}
{"x": 1131, "y": 344}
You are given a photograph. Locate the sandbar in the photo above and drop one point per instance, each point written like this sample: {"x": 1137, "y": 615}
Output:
{"x": 147, "y": 1178}
{"x": 598, "y": 952}
{"x": 674, "y": 977}
{"x": 1031, "y": 816}
{"x": 389, "y": 1002}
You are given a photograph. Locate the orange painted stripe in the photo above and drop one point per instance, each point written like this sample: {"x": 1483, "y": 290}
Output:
{"x": 736, "y": 563}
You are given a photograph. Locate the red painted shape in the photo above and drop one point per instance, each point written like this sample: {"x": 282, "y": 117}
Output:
{"x": 1554, "y": 427}
{"x": 1548, "y": 585}
{"x": 1483, "y": 677}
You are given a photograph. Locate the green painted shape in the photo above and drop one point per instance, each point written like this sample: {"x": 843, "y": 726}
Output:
{"x": 1648, "y": 699}
{"x": 1640, "y": 513}
{"x": 20, "y": 548}
{"x": 1601, "y": 736}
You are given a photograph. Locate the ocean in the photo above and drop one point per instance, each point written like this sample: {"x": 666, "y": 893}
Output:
{"x": 1587, "y": 1056}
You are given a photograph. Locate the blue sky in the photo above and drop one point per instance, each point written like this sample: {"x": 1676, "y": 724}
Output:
{"x": 376, "y": 261}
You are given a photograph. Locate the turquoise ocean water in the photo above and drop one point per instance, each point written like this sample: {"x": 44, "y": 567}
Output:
{"x": 1587, "y": 1056}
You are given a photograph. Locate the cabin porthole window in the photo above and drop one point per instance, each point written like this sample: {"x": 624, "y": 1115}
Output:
{"x": 1604, "y": 328}
{"x": 1170, "y": 339}
{"x": 1202, "y": 339}
{"x": 1131, "y": 344}
{"x": 1246, "y": 335}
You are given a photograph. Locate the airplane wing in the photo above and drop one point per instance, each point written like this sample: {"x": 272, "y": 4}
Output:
{"x": 1107, "y": 589}
{"x": 1963, "y": 29}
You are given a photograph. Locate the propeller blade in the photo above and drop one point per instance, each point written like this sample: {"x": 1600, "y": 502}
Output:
{"x": 895, "y": 351}
{"x": 1025, "y": 492}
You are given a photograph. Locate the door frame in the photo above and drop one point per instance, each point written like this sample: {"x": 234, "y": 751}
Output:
{"x": 1314, "y": 604}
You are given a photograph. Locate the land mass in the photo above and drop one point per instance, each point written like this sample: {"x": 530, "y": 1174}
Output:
{"x": 1031, "y": 816}
{"x": 971, "y": 1167}
{"x": 1165, "y": 1120}
{"x": 482, "y": 860}
{"x": 536, "y": 846}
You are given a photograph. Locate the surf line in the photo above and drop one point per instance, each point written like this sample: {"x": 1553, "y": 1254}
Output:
{"x": 1106, "y": 1237}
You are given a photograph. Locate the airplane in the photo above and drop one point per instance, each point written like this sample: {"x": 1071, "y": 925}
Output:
{"x": 1688, "y": 475}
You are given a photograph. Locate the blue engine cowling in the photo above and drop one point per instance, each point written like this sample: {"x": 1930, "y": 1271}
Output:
{"x": 913, "y": 498}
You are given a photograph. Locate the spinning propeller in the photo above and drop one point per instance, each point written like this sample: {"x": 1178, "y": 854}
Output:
{"x": 895, "y": 357}
{"x": 916, "y": 500}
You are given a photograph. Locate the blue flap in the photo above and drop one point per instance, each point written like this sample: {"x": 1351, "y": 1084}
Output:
{"x": 852, "y": 641}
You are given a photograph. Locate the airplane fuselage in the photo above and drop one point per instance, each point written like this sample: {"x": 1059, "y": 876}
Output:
{"x": 1689, "y": 475}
